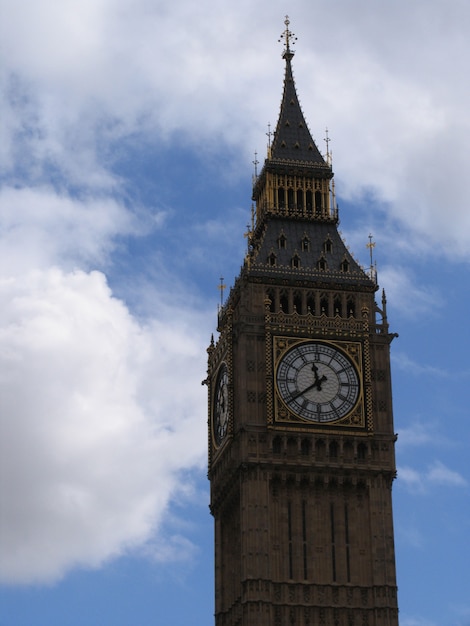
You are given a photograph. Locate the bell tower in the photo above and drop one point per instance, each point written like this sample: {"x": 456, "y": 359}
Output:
{"x": 301, "y": 438}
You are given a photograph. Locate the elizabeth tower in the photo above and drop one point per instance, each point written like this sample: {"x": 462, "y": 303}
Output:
{"x": 301, "y": 439}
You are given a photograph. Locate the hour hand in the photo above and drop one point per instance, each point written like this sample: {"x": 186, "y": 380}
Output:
{"x": 318, "y": 380}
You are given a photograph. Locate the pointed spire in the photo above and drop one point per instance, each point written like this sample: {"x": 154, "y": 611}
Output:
{"x": 292, "y": 139}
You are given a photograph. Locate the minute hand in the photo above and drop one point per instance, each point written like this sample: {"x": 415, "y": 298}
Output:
{"x": 317, "y": 383}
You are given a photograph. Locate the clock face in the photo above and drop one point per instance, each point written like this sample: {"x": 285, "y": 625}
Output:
{"x": 317, "y": 382}
{"x": 220, "y": 413}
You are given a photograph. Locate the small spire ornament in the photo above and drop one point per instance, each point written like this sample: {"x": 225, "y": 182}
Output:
{"x": 287, "y": 36}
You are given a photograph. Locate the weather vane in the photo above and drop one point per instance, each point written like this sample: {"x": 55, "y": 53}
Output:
{"x": 287, "y": 36}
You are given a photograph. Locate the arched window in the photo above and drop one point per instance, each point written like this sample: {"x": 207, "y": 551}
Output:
{"x": 305, "y": 447}
{"x": 281, "y": 198}
{"x": 361, "y": 452}
{"x": 298, "y": 302}
{"x": 272, "y": 259}
{"x": 309, "y": 201}
{"x": 338, "y": 306}
{"x": 300, "y": 199}
{"x": 318, "y": 202}
{"x": 328, "y": 246}
{"x": 322, "y": 264}
{"x": 295, "y": 261}
{"x": 284, "y": 302}
{"x": 345, "y": 265}
{"x": 311, "y": 303}
{"x": 305, "y": 244}
{"x": 320, "y": 449}
{"x": 291, "y": 446}
{"x": 290, "y": 199}
{"x": 324, "y": 307}
{"x": 282, "y": 241}
{"x": 351, "y": 306}
{"x": 348, "y": 451}
{"x": 333, "y": 450}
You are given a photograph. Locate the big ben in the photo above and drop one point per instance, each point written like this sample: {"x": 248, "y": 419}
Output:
{"x": 301, "y": 438}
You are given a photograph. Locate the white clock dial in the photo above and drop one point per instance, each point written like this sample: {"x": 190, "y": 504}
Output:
{"x": 318, "y": 382}
{"x": 221, "y": 408}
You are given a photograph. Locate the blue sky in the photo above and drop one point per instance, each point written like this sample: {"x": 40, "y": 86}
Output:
{"x": 128, "y": 134}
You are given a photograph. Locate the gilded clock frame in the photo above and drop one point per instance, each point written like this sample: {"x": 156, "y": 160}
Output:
{"x": 223, "y": 366}
{"x": 353, "y": 350}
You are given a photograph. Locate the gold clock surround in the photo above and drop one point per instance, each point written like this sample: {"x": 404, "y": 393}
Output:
{"x": 220, "y": 406}
{"x": 352, "y": 350}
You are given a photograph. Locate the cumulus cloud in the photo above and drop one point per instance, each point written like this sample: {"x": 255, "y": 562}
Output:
{"x": 139, "y": 69}
{"x": 92, "y": 412}
{"x": 40, "y": 226}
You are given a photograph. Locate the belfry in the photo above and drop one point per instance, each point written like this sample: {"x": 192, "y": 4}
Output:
{"x": 301, "y": 438}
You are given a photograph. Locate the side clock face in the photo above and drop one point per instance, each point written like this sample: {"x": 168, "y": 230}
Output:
{"x": 220, "y": 411}
{"x": 317, "y": 382}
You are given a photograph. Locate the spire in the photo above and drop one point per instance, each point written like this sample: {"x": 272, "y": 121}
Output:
{"x": 292, "y": 139}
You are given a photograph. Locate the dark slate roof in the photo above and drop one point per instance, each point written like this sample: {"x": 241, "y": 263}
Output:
{"x": 292, "y": 139}
{"x": 324, "y": 243}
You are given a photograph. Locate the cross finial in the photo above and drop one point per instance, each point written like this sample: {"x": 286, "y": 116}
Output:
{"x": 288, "y": 37}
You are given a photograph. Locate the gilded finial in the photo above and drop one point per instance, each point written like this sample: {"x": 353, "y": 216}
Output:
{"x": 328, "y": 153}
{"x": 373, "y": 269}
{"x": 249, "y": 237}
{"x": 288, "y": 37}
{"x": 222, "y": 288}
{"x": 255, "y": 163}
{"x": 269, "y": 134}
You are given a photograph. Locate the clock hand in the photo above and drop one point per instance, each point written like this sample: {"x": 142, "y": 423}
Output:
{"x": 318, "y": 380}
{"x": 317, "y": 383}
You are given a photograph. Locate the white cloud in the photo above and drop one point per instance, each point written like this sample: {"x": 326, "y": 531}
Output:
{"x": 40, "y": 227}
{"x": 411, "y": 478}
{"x": 395, "y": 103}
{"x": 436, "y": 475}
{"x": 416, "y": 435}
{"x": 439, "y": 474}
{"x": 405, "y": 363}
{"x": 409, "y": 297}
{"x": 95, "y": 427}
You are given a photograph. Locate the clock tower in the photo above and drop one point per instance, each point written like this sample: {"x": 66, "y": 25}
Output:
{"x": 301, "y": 439}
